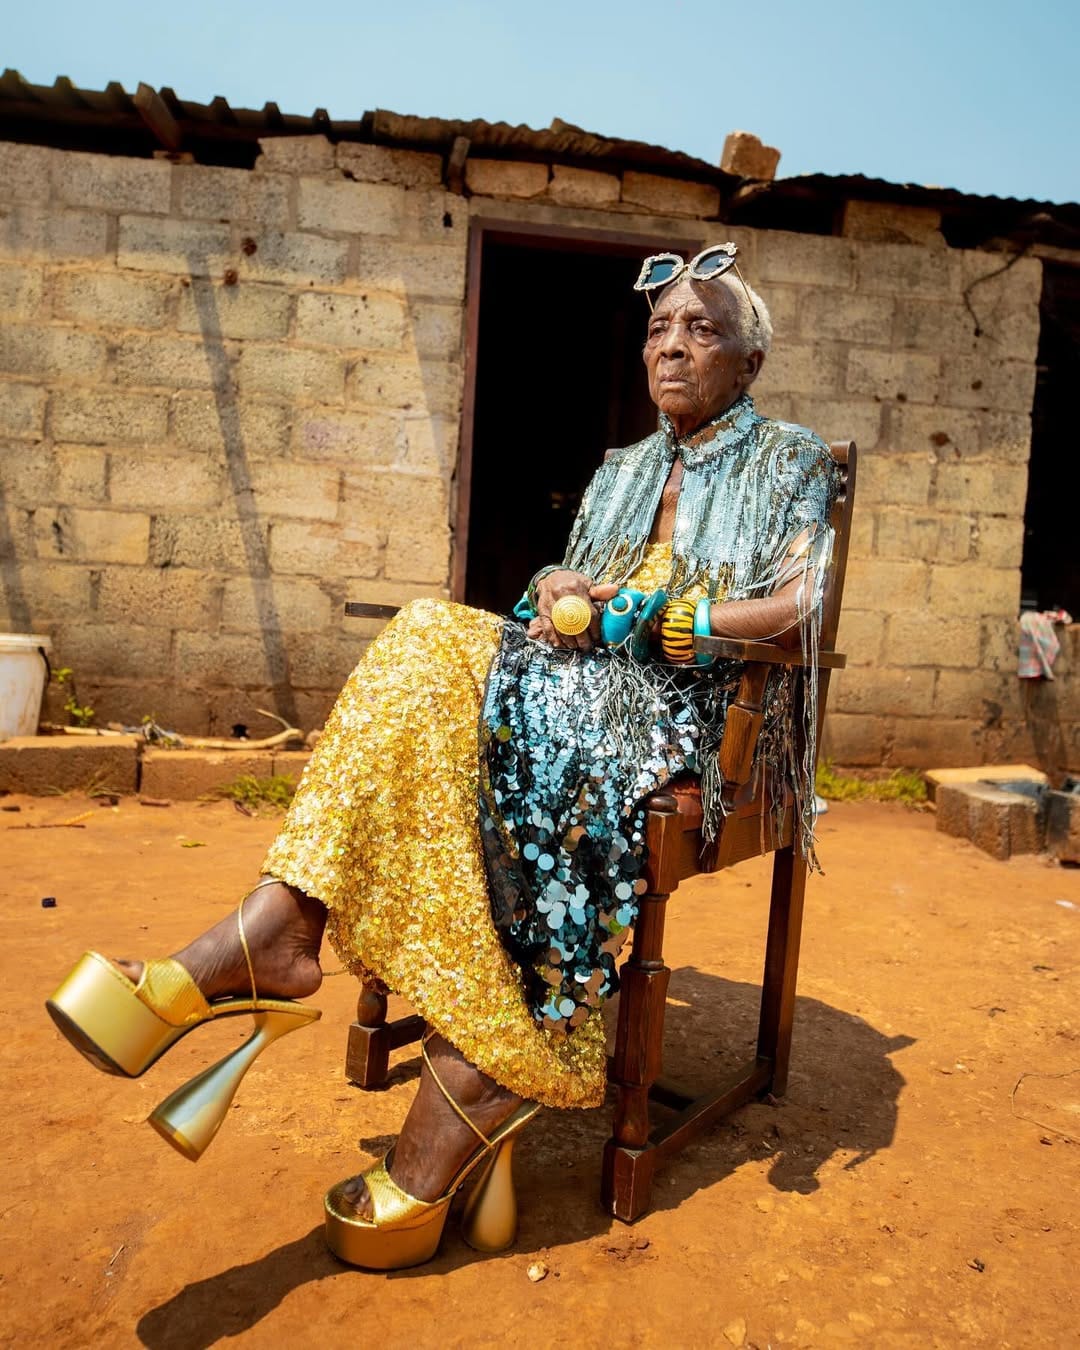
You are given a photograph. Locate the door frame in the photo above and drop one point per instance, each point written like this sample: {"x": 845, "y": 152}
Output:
{"x": 484, "y": 229}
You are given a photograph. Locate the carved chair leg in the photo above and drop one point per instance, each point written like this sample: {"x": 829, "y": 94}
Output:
{"x": 782, "y": 964}
{"x": 636, "y": 1064}
{"x": 367, "y": 1059}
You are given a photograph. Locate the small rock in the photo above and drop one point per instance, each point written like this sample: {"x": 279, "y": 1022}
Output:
{"x": 735, "y": 1331}
{"x": 537, "y": 1272}
{"x": 11, "y": 806}
{"x": 154, "y": 801}
{"x": 765, "y": 1204}
{"x": 641, "y": 1244}
{"x": 976, "y": 1264}
{"x": 48, "y": 902}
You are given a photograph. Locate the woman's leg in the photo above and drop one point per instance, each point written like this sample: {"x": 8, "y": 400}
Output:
{"x": 434, "y": 1142}
{"x": 283, "y": 928}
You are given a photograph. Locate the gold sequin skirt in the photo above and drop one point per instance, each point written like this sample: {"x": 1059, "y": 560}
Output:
{"x": 384, "y": 831}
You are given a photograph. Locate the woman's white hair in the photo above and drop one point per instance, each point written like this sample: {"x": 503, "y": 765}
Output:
{"x": 754, "y": 330}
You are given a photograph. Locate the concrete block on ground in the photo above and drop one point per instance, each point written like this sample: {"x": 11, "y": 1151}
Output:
{"x": 998, "y": 822}
{"x": 981, "y": 773}
{"x": 43, "y": 765}
{"x": 1063, "y": 826}
{"x": 186, "y": 775}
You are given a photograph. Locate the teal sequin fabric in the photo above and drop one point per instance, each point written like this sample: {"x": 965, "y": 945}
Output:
{"x": 570, "y": 742}
{"x": 560, "y": 815}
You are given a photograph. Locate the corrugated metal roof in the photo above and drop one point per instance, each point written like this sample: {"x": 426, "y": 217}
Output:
{"x": 110, "y": 121}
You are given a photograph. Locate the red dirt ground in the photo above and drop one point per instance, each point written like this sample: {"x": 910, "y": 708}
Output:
{"x": 898, "y": 1196}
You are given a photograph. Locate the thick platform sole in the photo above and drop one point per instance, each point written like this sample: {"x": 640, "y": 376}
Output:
{"x": 96, "y": 1010}
{"x": 373, "y": 1248}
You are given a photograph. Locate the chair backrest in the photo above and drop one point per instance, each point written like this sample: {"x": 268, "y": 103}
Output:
{"x": 846, "y": 456}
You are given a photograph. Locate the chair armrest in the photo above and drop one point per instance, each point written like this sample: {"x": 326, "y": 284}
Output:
{"x": 739, "y": 649}
{"x": 360, "y": 609}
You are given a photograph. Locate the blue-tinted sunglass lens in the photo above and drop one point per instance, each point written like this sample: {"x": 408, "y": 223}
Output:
{"x": 713, "y": 265}
{"x": 661, "y": 271}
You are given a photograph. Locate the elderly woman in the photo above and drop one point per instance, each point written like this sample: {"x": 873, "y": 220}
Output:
{"x": 468, "y": 830}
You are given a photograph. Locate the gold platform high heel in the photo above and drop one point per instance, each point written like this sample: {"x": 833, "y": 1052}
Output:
{"x": 406, "y": 1231}
{"x": 123, "y": 1028}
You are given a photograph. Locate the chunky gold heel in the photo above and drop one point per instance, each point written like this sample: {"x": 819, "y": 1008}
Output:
{"x": 490, "y": 1220}
{"x": 190, "y": 1117}
{"x": 123, "y": 1028}
{"x": 406, "y": 1231}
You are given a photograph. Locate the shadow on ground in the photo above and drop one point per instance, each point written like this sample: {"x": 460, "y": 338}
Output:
{"x": 842, "y": 1100}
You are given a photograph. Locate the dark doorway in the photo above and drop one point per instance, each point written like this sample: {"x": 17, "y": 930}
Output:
{"x": 1051, "y": 566}
{"x": 558, "y": 380}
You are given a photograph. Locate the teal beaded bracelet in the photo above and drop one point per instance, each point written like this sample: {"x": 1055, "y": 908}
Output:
{"x": 703, "y": 628}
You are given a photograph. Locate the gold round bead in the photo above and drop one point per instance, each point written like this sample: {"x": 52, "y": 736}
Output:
{"x": 571, "y": 615}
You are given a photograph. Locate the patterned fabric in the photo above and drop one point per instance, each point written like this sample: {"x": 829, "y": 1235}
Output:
{"x": 384, "y": 825}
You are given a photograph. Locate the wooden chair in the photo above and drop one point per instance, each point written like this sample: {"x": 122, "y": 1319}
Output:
{"x": 755, "y": 825}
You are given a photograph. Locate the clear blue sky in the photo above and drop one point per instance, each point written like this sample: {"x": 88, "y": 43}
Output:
{"x": 975, "y": 94}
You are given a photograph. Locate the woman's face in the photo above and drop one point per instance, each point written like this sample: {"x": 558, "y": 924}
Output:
{"x": 692, "y": 354}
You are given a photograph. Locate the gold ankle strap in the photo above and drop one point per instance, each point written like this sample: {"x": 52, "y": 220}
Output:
{"x": 445, "y": 1092}
{"x": 269, "y": 881}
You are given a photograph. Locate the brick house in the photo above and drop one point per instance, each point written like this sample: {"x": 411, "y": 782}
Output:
{"x": 251, "y": 365}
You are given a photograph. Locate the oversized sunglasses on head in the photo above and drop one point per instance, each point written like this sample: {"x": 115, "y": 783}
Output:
{"x": 664, "y": 268}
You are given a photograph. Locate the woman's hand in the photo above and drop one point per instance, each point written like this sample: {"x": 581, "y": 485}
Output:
{"x": 553, "y": 587}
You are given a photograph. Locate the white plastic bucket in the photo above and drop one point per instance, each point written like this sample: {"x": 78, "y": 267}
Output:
{"x": 23, "y": 668}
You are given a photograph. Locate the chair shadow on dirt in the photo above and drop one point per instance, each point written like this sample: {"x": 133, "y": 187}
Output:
{"x": 842, "y": 1100}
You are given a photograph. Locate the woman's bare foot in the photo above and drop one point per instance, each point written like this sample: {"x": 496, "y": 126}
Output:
{"x": 434, "y": 1142}
{"x": 284, "y": 929}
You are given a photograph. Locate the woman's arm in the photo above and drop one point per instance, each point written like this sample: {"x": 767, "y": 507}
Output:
{"x": 775, "y": 617}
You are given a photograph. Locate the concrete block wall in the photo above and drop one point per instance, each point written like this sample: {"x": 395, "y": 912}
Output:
{"x": 228, "y": 399}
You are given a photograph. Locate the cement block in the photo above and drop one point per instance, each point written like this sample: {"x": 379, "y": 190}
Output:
{"x": 748, "y": 156}
{"x": 179, "y": 247}
{"x": 292, "y": 373}
{"x": 670, "y": 196}
{"x": 112, "y": 299}
{"x": 199, "y": 423}
{"x": 22, "y": 411}
{"x": 505, "y": 178}
{"x": 292, "y": 259}
{"x": 81, "y": 475}
{"x": 977, "y": 382}
{"x": 27, "y": 231}
{"x": 325, "y": 550}
{"x": 21, "y": 291}
{"x": 175, "y": 363}
{"x": 97, "y": 417}
{"x": 381, "y": 164}
{"x": 890, "y": 223}
{"x": 111, "y": 182}
{"x": 1063, "y": 826}
{"x": 350, "y": 208}
{"x": 294, "y": 154}
{"x": 583, "y": 187}
{"x": 351, "y": 321}
{"x": 367, "y": 438}
{"x": 231, "y": 194}
{"x": 418, "y": 555}
{"x": 250, "y": 310}
{"x": 993, "y": 773}
{"x": 24, "y": 171}
{"x": 421, "y": 271}
{"x": 911, "y": 376}
{"x": 42, "y": 765}
{"x": 998, "y": 822}
{"x": 186, "y": 775}
{"x": 32, "y": 349}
